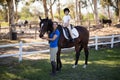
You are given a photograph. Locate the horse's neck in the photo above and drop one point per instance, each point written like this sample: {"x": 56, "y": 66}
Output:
{"x": 61, "y": 32}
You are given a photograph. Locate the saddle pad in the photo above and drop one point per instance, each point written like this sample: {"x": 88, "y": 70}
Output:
{"x": 75, "y": 33}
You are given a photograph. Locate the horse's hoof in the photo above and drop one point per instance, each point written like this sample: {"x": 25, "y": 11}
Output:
{"x": 53, "y": 74}
{"x": 84, "y": 66}
{"x": 74, "y": 66}
{"x": 58, "y": 70}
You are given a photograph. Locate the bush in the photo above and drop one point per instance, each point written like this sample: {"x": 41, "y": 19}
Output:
{"x": 101, "y": 16}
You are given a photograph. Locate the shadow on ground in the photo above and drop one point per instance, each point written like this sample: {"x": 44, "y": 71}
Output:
{"x": 103, "y": 65}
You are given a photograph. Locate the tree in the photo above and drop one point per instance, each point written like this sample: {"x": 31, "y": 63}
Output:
{"x": 11, "y": 17}
{"x": 4, "y": 12}
{"x": 115, "y": 4}
{"x": 25, "y": 13}
{"x": 51, "y": 3}
{"x": 16, "y": 8}
{"x": 80, "y": 14}
{"x": 58, "y": 8}
{"x": 36, "y": 11}
{"x": 119, "y": 9}
{"x": 76, "y": 11}
{"x": 45, "y": 8}
{"x": 106, "y": 4}
{"x": 95, "y": 11}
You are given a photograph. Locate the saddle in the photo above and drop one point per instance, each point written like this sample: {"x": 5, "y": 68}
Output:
{"x": 66, "y": 32}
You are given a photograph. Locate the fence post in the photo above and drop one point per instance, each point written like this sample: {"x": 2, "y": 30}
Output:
{"x": 112, "y": 41}
{"x": 96, "y": 42}
{"x": 20, "y": 51}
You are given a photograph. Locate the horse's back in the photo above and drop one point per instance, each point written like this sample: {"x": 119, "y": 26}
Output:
{"x": 82, "y": 29}
{"x": 83, "y": 33}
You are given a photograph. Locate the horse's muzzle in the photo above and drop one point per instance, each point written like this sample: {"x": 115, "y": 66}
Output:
{"x": 40, "y": 35}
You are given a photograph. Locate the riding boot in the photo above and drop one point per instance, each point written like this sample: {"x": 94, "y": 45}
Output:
{"x": 71, "y": 39}
{"x": 53, "y": 64}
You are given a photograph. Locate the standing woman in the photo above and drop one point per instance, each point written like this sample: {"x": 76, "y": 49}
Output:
{"x": 53, "y": 41}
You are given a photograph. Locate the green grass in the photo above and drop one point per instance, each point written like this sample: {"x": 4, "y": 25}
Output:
{"x": 104, "y": 64}
{"x": 4, "y": 24}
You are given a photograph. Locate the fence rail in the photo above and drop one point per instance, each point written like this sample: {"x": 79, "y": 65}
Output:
{"x": 95, "y": 43}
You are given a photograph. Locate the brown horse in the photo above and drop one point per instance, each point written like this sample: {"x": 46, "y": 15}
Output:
{"x": 80, "y": 43}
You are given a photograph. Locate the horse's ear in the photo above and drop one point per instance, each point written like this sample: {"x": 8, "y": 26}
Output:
{"x": 46, "y": 17}
{"x": 40, "y": 18}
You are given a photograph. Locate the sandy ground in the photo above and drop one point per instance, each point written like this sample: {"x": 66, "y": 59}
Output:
{"x": 31, "y": 38}
{"x": 105, "y": 31}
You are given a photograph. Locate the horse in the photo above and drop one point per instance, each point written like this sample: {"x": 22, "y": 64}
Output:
{"x": 106, "y": 21}
{"x": 80, "y": 43}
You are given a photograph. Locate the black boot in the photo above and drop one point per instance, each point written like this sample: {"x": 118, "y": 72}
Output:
{"x": 71, "y": 39}
{"x": 53, "y": 64}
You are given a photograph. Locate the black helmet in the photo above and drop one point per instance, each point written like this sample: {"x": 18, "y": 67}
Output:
{"x": 66, "y": 9}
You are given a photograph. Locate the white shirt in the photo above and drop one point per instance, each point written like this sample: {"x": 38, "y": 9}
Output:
{"x": 66, "y": 18}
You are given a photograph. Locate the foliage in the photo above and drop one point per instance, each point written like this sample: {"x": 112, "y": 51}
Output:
{"x": 61, "y": 15}
{"x": 103, "y": 65}
{"x": 89, "y": 16}
{"x": 4, "y": 24}
{"x": 101, "y": 16}
{"x": 113, "y": 3}
{"x": 25, "y": 13}
{"x": 3, "y": 10}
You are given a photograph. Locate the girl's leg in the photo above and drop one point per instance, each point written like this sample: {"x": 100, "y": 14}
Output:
{"x": 70, "y": 30}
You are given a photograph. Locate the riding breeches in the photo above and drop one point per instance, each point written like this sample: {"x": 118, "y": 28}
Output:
{"x": 53, "y": 52}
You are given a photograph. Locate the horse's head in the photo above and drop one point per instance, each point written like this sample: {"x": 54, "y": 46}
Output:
{"x": 45, "y": 26}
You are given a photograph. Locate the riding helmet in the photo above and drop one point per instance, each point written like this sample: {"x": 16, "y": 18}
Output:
{"x": 66, "y": 9}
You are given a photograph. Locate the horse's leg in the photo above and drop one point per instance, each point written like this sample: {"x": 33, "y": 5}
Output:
{"x": 78, "y": 50}
{"x": 59, "y": 64}
{"x": 86, "y": 55}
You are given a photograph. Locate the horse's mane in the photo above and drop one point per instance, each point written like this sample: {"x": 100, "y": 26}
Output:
{"x": 51, "y": 28}
{"x": 60, "y": 28}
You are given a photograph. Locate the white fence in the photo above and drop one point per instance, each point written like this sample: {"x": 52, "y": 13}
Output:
{"x": 95, "y": 42}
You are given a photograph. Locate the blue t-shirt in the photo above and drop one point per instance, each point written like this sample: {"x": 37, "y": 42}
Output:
{"x": 54, "y": 43}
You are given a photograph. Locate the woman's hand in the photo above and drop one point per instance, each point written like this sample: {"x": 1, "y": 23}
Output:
{"x": 45, "y": 38}
{"x": 51, "y": 39}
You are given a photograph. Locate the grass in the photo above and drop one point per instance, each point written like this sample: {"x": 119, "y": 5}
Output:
{"x": 4, "y": 24}
{"x": 104, "y": 64}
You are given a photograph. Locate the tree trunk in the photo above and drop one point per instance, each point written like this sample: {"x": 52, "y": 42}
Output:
{"x": 76, "y": 3}
{"x": 59, "y": 9}
{"x": 51, "y": 12}
{"x": 16, "y": 13}
{"x": 108, "y": 12}
{"x": 6, "y": 14}
{"x": 80, "y": 14}
{"x": 11, "y": 17}
{"x": 45, "y": 8}
{"x": 119, "y": 9}
{"x": 91, "y": 5}
{"x": 95, "y": 12}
